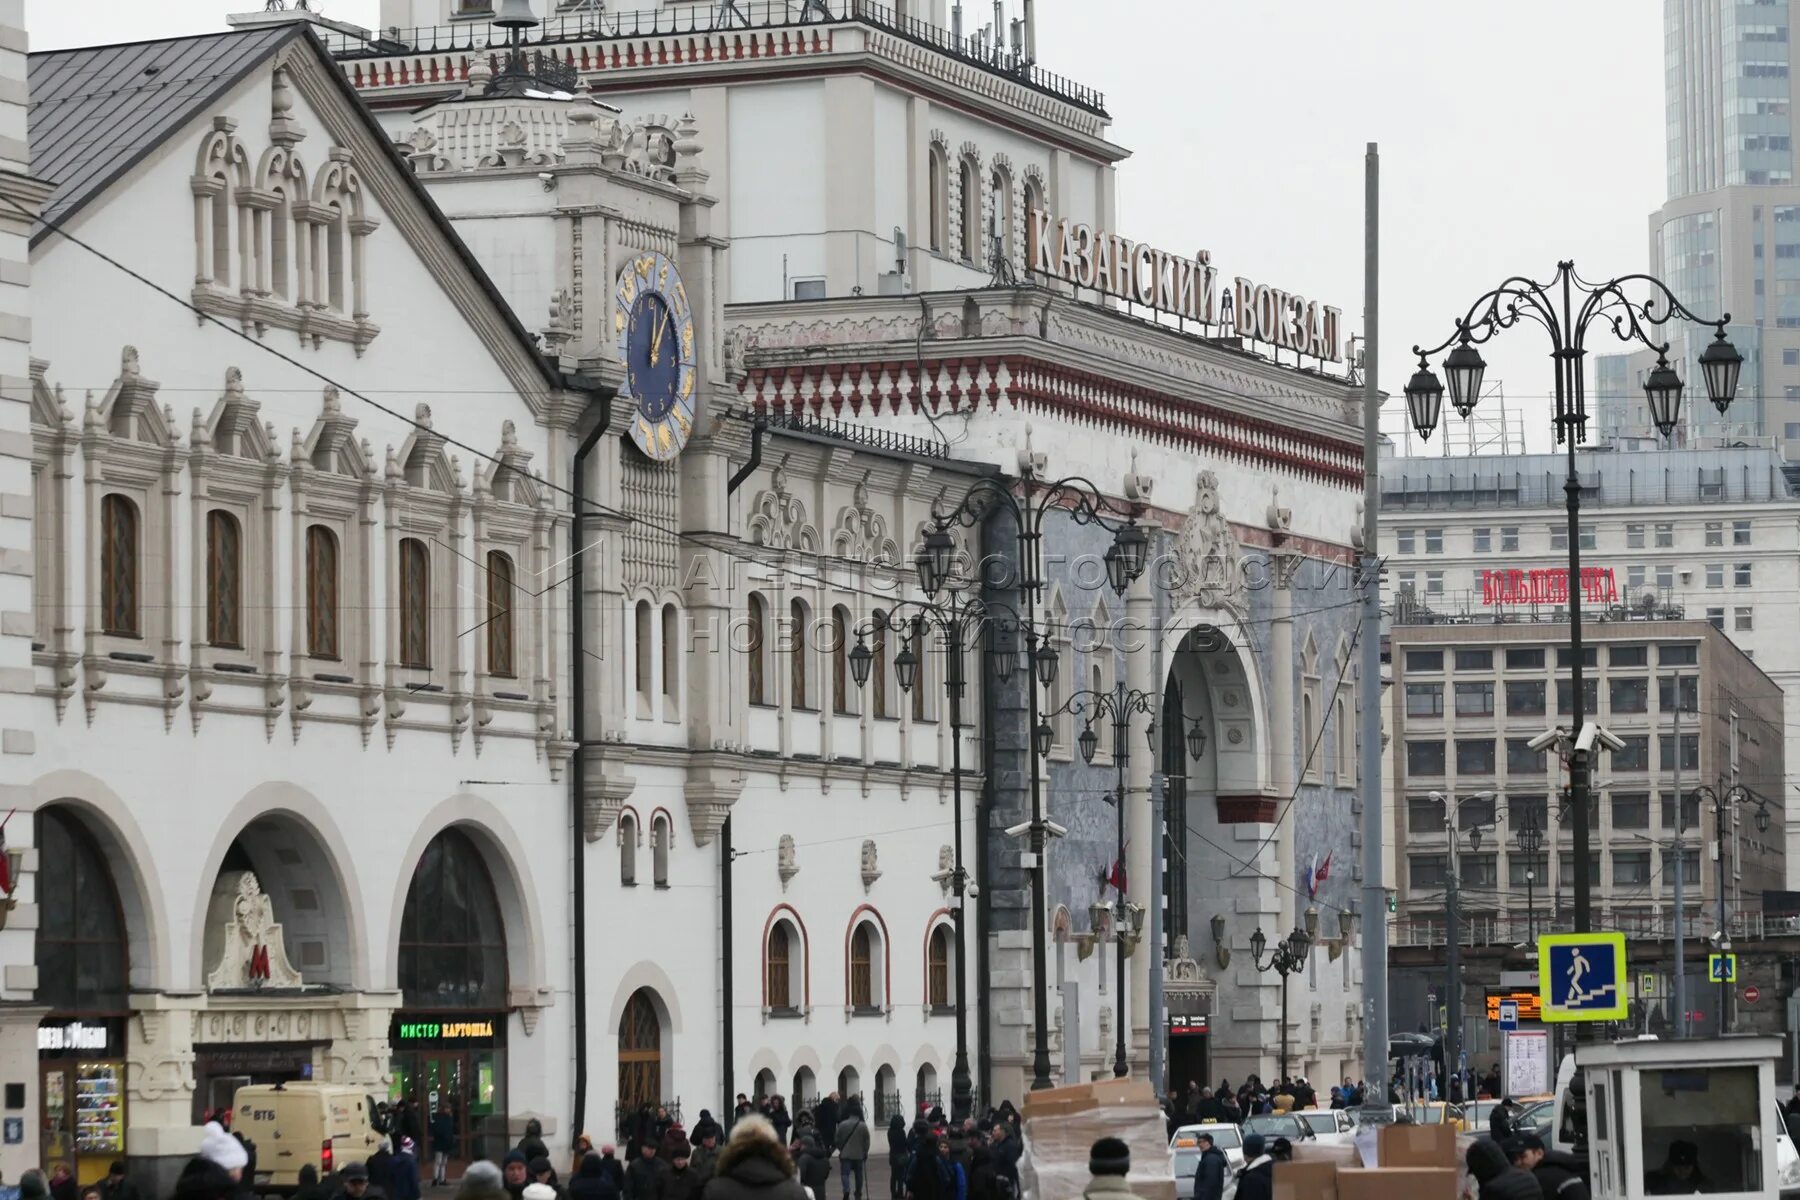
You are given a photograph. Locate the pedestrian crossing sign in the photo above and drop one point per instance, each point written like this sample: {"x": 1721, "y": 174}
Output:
{"x": 1721, "y": 968}
{"x": 1581, "y": 976}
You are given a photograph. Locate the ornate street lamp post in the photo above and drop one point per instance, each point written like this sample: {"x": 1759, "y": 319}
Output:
{"x": 1531, "y": 840}
{"x": 1567, "y": 307}
{"x": 1030, "y": 506}
{"x": 1733, "y": 796}
{"x": 1288, "y": 958}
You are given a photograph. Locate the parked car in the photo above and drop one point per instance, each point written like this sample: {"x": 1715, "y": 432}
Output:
{"x": 1274, "y": 1125}
{"x": 1435, "y": 1112}
{"x": 1330, "y": 1126}
{"x": 1184, "y": 1150}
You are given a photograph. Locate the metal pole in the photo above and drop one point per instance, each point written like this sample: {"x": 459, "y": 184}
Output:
{"x": 961, "y": 1099}
{"x": 1453, "y": 959}
{"x": 1284, "y": 1024}
{"x": 1121, "y": 759}
{"x": 1040, "y": 903}
{"x": 1531, "y": 905}
{"x": 1568, "y": 390}
{"x": 1368, "y": 687}
{"x": 1719, "y": 871}
{"x": 1155, "y": 1020}
{"x": 1681, "y": 1010}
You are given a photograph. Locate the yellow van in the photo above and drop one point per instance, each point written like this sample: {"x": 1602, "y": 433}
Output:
{"x": 326, "y": 1124}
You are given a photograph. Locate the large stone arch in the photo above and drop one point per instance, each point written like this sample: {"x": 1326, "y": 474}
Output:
{"x": 646, "y": 975}
{"x": 107, "y": 817}
{"x": 508, "y": 868}
{"x": 305, "y": 866}
{"x": 1206, "y": 651}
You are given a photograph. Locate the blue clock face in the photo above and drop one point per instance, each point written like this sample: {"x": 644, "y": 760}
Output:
{"x": 655, "y": 328}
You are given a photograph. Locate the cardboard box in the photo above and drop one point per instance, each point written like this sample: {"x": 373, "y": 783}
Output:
{"x": 1417, "y": 1146}
{"x": 1306, "y": 1181}
{"x": 1389, "y": 1183}
{"x": 1336, "y": 1156}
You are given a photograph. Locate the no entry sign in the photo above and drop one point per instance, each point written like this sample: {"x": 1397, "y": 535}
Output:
{"x": 1752, "y": 995}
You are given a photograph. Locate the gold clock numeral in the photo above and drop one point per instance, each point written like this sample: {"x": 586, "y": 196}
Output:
{"x": 681, "y": 420}
{"x": 619, "y": 321}
{"x": 687, "y": 341}
{"x": 681, "y": 295}
{"x": 663, "y": 439}
{"x": 627, "y": 291}
{"x": 687, "y": 385}
{"x": 644, "y": 429}
{"x": 645, "y": 265}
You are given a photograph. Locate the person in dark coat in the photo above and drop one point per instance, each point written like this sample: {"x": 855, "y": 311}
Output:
{"x": 852, "y": 1142}
{"x": 646, "y": 1177}
{"x": 1558, "y": 1174}
{"x": 542, "y": 1172}
{"x": 825, "y": 1119}
{"x": 812, "y": 1166}
{"x": 1498, "y": 1178}
{"x": 381, "y": 1167}
{"x": 780, "y": 1120}
{"x": 681, "y": 1182}
{"x": 515, "y": 1173}
{"x": 706, "y": 1151}
{"x": 1257, "y": 1180}
{"x": 899, "y": 1157}
{"x": 443, "y": 1144}
{"x": 593, "y": 1181}
{"x": 118, "y": 1185}
{"x": 200, "y": 1179}
{"x": 1500, "y": 1125}
{"x": 353, "y": 1183}
{"x": 481, "y": 1181}
{"x": 405, "y": 1171}
{"x": 1007, "y": 1149}
{"x": 308, "y": 1186}
{"x": 1209, "y": 1170}
{"x": 701, "y": 1127}
{"x": 62, "y": 1183}
{"x": 532, "y": 1144}
{"x": 1680, "y": 1173}
{"x": 753, "y": 1166}
{"x": 984, "y": 1180}
{"x": 933, "y": 1174}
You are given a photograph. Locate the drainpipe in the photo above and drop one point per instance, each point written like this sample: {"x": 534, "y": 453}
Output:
{"x": 984, "y": 903}
{"x": 727, "y": 1040}
{"x": 578, "y": 768}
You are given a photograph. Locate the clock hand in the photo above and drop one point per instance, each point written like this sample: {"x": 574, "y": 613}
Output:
{"x": 656, "y": 340}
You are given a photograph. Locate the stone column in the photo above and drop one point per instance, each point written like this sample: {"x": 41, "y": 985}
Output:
{"x": 160, "y": 1134}
{"x": 19, "y": 1064}
{"x": 360, "y": 1053}
{"x": 1139, "y": 636}
{"x": 1274, "y": 905}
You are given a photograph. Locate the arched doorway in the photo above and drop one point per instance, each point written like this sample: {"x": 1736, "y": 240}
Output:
{"x": 83, "y": 965}
{"x": 449, "y": 1039}
{"x": 640, "y": 1054}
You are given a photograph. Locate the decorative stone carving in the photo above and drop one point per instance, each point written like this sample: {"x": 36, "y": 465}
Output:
{"x": 945, "y": 875}
{"x": 253, "y": 955}
{"x": 1208, "y": 559}
{"x": 1281, "y": 520}
{"x": 787, "y": 862}
{"x": 1356, "y": 528}
{"x": 778, "y": 518}
{"x": 604, "y": 793}
{"x": 558, "y": 332}
{"x": 871, "y": 870}
{"x": 861, "y": 533}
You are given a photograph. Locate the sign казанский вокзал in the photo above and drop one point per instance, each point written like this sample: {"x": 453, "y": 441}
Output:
{"x": 1187, "y": 287}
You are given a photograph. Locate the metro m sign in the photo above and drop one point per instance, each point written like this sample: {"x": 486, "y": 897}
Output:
{"x": 1547, "y": 586}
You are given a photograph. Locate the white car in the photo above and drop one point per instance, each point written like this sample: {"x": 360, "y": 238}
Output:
{"x": 1330, "y": 1126}
{"x": 1184, "y": 1150}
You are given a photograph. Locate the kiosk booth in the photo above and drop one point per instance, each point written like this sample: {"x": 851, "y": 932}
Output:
{"x": 1682, "y": 1117}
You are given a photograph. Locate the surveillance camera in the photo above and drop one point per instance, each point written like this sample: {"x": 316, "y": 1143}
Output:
{"x": 1019, "y": 830}
{"x": 972, "y": 889}
{"x": 1548, "y": 738}
{"x": 1591, "y": 732}
{"x": 547, "y": 179}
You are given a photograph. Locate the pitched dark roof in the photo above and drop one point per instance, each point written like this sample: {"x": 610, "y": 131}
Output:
{"x": 97, "y": 111}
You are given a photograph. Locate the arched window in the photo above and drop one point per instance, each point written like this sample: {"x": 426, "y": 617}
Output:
{"x": 759, "y": 638}
{"x": 1034, "y": 196}
{"x": 452, "y": 941}
{"x": 764, "y": 1085}
{"x": 500, "y": 615}
{"x": 415, "y": 604}
{"x": 784, "y": 967}
{"x": 921, "y": 689}
{"x": 970, "y": 217}
{"x": 321, "y": 592}
{"x": 224, "y": 580}
{"x": 82, "y": 954}
{"x": 119, "y": 566}
{"x": 628, "y": 843}
{"x": 938, "y": 188}
{"x": 797, "y": 655}
{"x": 659, "y": 850}
{"x": 1338, "y": 730}
{"x": 840, "y": 649}
{"x": 640, "y": 1053}
{"x": 937, "y": 968}
{"x": 878, "y": 667}
{"x": 1001, "y": 185}
{"x": 671, "y": 656}
{"x": 645, "y": 654}
{"x": 862, "y": 968}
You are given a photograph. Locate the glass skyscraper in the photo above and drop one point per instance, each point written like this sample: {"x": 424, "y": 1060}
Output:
{"x": 1727, "y": 238}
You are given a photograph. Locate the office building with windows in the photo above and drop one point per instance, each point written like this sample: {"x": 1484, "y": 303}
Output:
{"x": 1727, "y": 237}
{"x": 1706, "y": 535}
{"x": 1691, "y": 708}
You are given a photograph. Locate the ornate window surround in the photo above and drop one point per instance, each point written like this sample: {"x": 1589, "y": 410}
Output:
{"x": 423, "y": 499}
{"x": 511, "y": 513}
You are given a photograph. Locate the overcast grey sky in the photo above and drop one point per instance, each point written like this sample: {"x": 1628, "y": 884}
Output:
{"x": 1511, "y": 136}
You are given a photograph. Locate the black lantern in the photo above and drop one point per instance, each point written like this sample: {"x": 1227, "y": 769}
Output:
{"x": 1006, "y": 658}
{"x": 1312, "y": 923}
{"x": 1424, "y": 400}
{"x": 1258, "y": 943}
{"x": 1045, "y": 660}
{"x": 1299, "y": 941}
{"x": 1475, "y": 838}
{"x": 1218, "y": 927}
{"x": 1043, "y": 737}
{"x": 1531, "y": 839}
{"x": 1720, "y": 363}
{"x": 1762, "y": 818}
{"x": 1115, "y": 569}
{"x": 1346, "y": 922}
{"x": 1196, "y": 741}
{"x": 934, "y": 559}
{"x": 860, "y": 662}
{"x": 1089, "y": 741}
{"x": 1662, "y": 389}
{"x": 1463, "y": 369}
{"x": 1134, "y": 546}
{"x": 906, "y": 666}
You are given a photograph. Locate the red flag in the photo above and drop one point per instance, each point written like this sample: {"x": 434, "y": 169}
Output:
{"x": 1322, "y": 873}
{"x": 1116, "y": 877}
{"x": 6, "y": 879}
